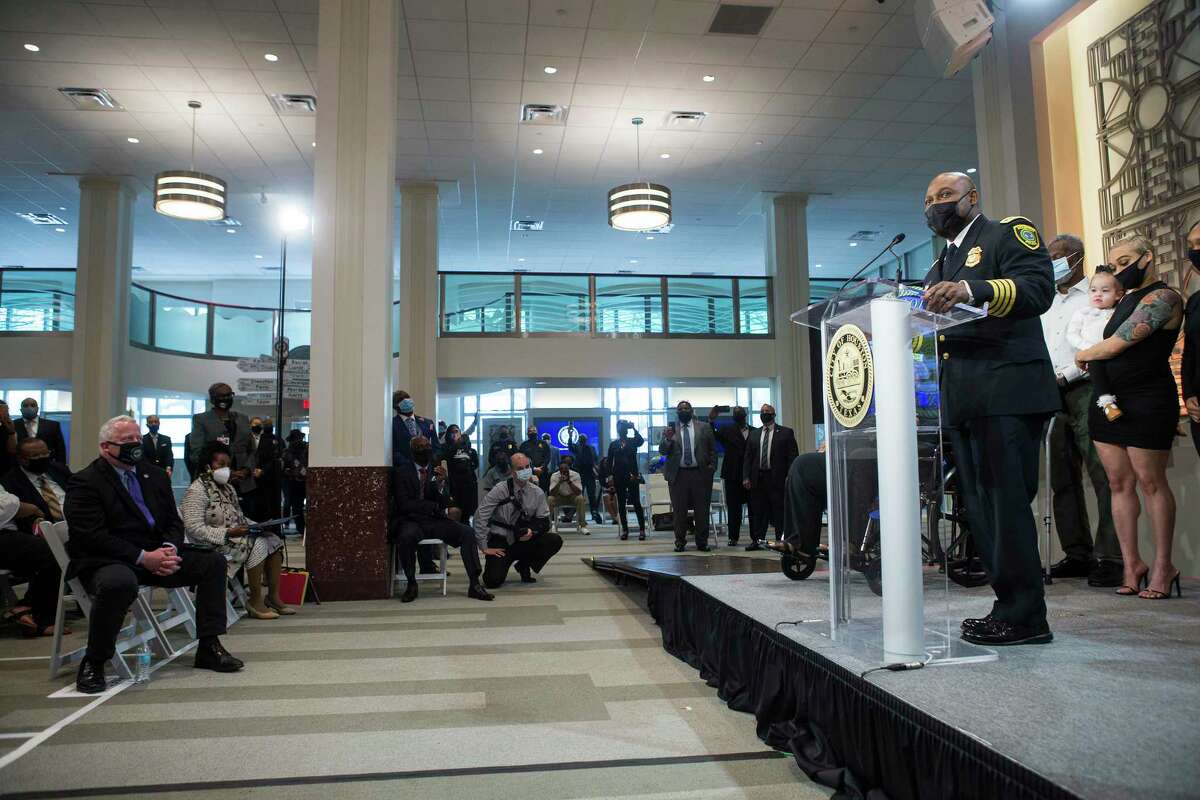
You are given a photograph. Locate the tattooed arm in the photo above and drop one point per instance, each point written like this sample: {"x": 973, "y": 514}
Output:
{"x": 1157, "y": 311}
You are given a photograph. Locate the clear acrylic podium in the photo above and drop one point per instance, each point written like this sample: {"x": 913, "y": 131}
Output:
{"x": 889, "y": 589}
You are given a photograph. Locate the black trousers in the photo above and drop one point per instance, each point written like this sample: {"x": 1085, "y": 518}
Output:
{"x": 691, "y": 489}
{"x": 997, "y": 460}
{"x": 627, "y": 491}
{"x": 735, "y": 503}
{"x": 294, "y": 494}
{"x": 591, "y": 491}
{"x": 30, "y": 557}
{"x": 115, "y": 586}
{"x": 270, "y": 504}
{"x": 766, "y": 506}
{"x": 455, "y": 534}
{"x": 807, "y": 498}
{"x": 534, "y": 554}
{"x": 1196, "y": 436}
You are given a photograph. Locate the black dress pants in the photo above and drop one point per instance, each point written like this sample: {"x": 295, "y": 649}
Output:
{"x": 593, "y": 496}
{"x": 534, "y": 554}
{"x": 766, "y": 506}
{"x": 294, "y": 496}
{"x": 997, "y": 460}
{"x": 627, "y": 492}
{"x": 735, "y": 503}
{"x": 454, "y": 534}
{"x": 691, "y": 489}
{"x": 807, "y": 498}
{"x": 30, "y": 557}
{"x": 114, "y": 587}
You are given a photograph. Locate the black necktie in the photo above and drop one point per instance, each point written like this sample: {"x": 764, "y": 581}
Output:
{"x": 951, "y": 249}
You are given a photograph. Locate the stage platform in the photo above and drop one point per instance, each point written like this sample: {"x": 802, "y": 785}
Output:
{"x": 1110, "y": 709}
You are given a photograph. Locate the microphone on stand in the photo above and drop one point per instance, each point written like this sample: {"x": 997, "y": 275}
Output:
{"x": 897, "y": 239}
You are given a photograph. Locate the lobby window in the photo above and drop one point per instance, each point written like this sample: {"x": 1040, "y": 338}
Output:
{"x": 554, "y": 304}
{"x": 628, "y": 305}
{"x": 701, "y": 306}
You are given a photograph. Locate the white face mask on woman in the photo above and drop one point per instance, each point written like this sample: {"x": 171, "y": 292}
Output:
{"x": 221, "y": 475}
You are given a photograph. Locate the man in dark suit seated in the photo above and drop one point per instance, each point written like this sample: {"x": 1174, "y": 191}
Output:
{"x": 124, "y": 533}
{"x": 29, "y": 557}
{"x": 770, "y": 451}
{"x": 421, "y": 500}
{"x": 156, "y": 447}
{"x": 49, "y": 431}
{"x": 38, "y": 480}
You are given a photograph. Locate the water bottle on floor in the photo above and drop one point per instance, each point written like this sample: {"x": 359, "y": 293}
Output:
{"x": 141, "y": 673}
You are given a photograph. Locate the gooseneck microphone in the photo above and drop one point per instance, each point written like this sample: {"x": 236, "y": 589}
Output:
{"x": 897, "y": 239}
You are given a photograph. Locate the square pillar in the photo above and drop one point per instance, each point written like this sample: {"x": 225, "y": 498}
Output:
{"x": 787, "y": 265}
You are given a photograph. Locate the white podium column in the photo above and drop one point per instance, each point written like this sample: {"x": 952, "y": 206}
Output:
{"x": 899, "y": 498}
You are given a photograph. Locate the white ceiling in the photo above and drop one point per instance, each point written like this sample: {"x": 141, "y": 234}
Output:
{"x": 834, "y": 98}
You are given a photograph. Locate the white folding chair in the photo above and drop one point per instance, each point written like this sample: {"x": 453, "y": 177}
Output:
{"x": 146, "y": 626}
{"x": 441, "y": 575}
{"x": 234, "y": 593}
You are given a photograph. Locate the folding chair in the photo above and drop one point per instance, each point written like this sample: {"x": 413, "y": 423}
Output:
{"x": 145, "y": 627}
{"x": 6, "y": 590}
{"x": 234, "y": 593}
{"x": 442, "y": 575}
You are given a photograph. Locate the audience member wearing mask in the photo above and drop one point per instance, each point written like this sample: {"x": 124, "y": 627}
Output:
{"x": 770, "y": 451}
{"x": 126, "y": 533}
{"x": 407, "y": 425}
{"x": 1071, "y": 448}
{"x": 501, "y": 451}
{"x": 222, "y": 425}
{"x": 8, "y": 440}
{"x": 462, "y": 462}
{"x": 38, "y": 480}
{"x": 268, "y": 454}
{"x": 625, "y": 476}
{"x": 691, "y": 459}
{"x": 156, "y": 447}
{"x": 1135, "y": 448}
{"x": 540, "y": 454}
{"x": 295, "y": 476}
{"x": 213, "y": 517}
{"x": 49, "y": 431}
{"x": 733, "y": 440}
{"x": 422, "y": 510}
{"x": 1191, "y": 340}
{"x": 28, "y": 555}
{"x": 566, "y": 490}
{"x": 512, "y": 527}
{"x": 583, "y": 457}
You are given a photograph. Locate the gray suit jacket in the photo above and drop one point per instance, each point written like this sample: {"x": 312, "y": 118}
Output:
{"x": 704, "y": 447}
{"x": 208, "y": 427}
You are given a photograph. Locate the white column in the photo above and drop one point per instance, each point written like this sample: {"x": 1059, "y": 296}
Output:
{"x": 787, "y": 265}
{"x": 354, "y": 218}
{"x": 417, "y": 369}
{"x": 102, "y": 277}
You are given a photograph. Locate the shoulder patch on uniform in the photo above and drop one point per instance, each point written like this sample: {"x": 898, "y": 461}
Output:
{"x": 1027, "y": 235}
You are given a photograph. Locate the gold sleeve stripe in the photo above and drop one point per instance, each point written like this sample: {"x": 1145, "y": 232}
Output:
{"x": 1004, "y": 297}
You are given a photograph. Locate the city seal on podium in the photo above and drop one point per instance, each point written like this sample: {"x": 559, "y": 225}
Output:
{"x": 849, "y": 375}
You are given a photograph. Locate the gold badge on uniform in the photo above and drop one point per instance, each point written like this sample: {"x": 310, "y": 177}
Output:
{"x": 849, "y": 376}
{"x": 974, "y": 256}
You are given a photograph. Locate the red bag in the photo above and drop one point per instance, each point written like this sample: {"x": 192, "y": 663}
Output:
{"x": 293, "y": 586}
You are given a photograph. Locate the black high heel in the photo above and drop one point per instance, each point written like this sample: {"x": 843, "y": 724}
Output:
{"x": 642, "y": 535}
{"x": 624, "y": 534}
{"x": 1143, "y": 582}
{"x": 1155, "y": 594}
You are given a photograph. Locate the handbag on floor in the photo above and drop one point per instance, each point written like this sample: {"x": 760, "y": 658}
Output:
{"x": 293, "y": 586}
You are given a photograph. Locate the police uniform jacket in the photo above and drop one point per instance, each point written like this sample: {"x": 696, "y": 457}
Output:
{"x": 998, "y": 365}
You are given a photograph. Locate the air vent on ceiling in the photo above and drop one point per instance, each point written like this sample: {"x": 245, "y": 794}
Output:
{"x": 864, "y": 236}
{"x": 527, "y": 224}
{"x": 294, "y": 103}
{"x": 538, "y": 114}
{"x": 227, "y": 222}
{"x": 702, "y": 274}
{"x": 740, "y": 20}
{"x": 41, "y": 218}
{"x": 685, "y": 120}
{"x": 270, "y": 269}
{"x": 90, "y": 99}
{"x": 625, "y": 272}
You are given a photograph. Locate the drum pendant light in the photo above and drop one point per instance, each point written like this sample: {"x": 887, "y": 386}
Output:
{"x": 642, "y": 205}
{"x": 186, "y": 193}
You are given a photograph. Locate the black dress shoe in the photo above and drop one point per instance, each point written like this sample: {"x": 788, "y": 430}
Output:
{"x": 703, "y": 548}
{"x": 215, "y": 657}
{"x": 1073, "y": 568}
{"x": 410, "y": 593}
{"x": 477, "y": 592}
{"x": 1002, "y": 634}
{"x": 973, "y": 623}
{"x": 624, "y": 535}
{"x": 90, "y": 678}
{"x": 753, "y": 546}
{"x": 525, "y": 573}
{"x": 1107, "y": 573}
{"x": 731, "y": 543}
{"x": 680, "y": 547}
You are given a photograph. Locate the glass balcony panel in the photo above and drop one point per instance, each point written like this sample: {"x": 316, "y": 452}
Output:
{"x": 754, "y": 311}
{"x": 478, "y": 303}
{"x": 554, "y": 304}
{"x": 628, "y": 305}
{"x": 37, "y": 301}
{"x": 700, "y": 306}
{"x": 242, "y": 332}
{"x": 181, "y": 325}
{"x": 139, "y": 315}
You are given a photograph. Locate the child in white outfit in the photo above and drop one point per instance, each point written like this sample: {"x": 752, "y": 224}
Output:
{"x": 1087, "y": 328}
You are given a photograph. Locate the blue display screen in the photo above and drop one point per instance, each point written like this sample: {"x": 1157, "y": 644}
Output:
{"x": 558, "y": 430}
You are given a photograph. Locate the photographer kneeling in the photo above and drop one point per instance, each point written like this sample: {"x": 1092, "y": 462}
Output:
{"x": 512, "y": 524}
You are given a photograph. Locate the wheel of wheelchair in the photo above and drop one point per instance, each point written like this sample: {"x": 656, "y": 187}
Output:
{"x": 873, "y": 571}
{"x": 968, "y": 572}
{"x": 797, "y": 568}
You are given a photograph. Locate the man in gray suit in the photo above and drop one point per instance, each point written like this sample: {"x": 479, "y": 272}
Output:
{"x": 232, "y": 429}
{"x": 691, "y": 451}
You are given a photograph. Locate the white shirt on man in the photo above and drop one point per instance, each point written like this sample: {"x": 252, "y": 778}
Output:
{"x": 1055, "y": 323}
{"x": 561, "y": 485}
{"x": 9, "y": 506}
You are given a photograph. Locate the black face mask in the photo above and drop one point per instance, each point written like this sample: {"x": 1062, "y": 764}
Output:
{"x": 421, "y": 456}
{"x": 1131, "y": 277}
{"x": 256, "y": 428}
{"x": 131, "y": 452}
{"x": 740, "y": 419}
{"x": 223, "y": 402}
{"x": 38, "y": 466}
{"x": 532, "y": 435}
{"x": 684, "y": 417}
{"x": 1194, "y": 257}
{"x": 944, "y": 219}
{"x": 767, "y": 419}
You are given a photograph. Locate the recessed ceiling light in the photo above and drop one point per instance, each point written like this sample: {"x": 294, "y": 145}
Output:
{"x": 31, "y": 47}
{"x": 271, "y": 57}
{"x": 60, "y": 230}
{"x": 520, "y": 259}
{"x": 633, "y": 261}
{"x": 818, "y": 266}
{"x": 549, "y": 70}
{"x": 259, "y": 255}
{"x": 537, "y": 151}
{"x": 709, "y": 78}
{"x": 759, "y": 141}
{"x": 540, "y": 383}
{"x": 62, "y": 208}
{"x": 664, "y": 155}
{"x": 971, "y": 170}
{"x": 649, "y": 238}
{"x": 854, "y": 244}
{"x": 314, "y": 144}
{"x": 133, "y": 140}
{"x": 231, "y": 230}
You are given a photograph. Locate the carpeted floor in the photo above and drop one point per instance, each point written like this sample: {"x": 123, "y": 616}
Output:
{"x": 556, "y": 690}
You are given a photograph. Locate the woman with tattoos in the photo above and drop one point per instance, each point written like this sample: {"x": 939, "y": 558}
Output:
{"x": 1134, "y": 448}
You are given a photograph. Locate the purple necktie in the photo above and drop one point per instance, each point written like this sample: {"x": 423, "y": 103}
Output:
{"x": 135, "y": 491}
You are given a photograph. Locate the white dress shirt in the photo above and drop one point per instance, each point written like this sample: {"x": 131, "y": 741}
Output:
{"x": 1055, "y": 323}
{"x": 31, "y": 427}
{"x": 60, "y": 494}
{"x": 962, "y": 235}
{"x": 9, "y": 506}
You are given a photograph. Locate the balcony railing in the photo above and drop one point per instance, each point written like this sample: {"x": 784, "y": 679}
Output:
{"x": 37, "y": 300}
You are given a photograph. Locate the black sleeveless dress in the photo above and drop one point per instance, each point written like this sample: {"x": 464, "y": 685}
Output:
{"x": 1141, "y": 379}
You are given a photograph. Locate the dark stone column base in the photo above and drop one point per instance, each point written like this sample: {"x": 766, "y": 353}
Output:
{"x": 346, "y": 538}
